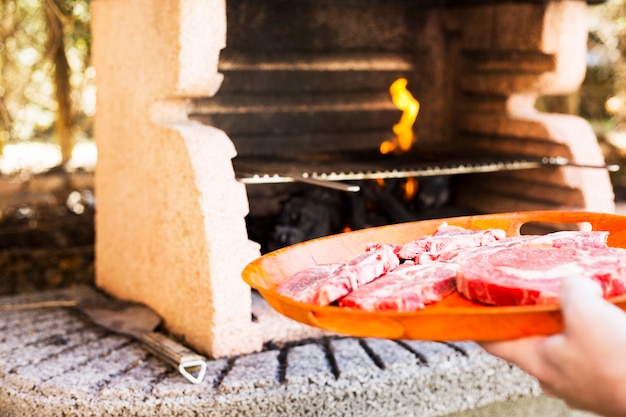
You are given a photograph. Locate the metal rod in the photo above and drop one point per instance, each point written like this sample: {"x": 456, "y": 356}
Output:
{"x": 560, "y": 161}
{"x": 329, "y": 184}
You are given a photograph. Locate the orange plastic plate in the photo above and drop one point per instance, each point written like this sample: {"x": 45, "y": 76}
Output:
{"x": 453, "y": 318}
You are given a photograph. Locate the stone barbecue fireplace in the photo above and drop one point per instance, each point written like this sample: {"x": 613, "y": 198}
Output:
{"x": 214, "y": 116}
{"x": 201, "y": 102}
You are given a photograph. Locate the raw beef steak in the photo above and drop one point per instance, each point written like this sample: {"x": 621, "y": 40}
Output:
{"x": 324, "y": 284}
{"x": 567, "y": 238}
{"x": 531, "y": 274}
{"x": 409, "y": 287}
{"x": 572, "y": 239}
{"x": 444, "y": 243}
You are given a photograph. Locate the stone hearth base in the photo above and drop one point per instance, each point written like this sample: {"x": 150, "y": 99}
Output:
{"x": 54, "y": 363}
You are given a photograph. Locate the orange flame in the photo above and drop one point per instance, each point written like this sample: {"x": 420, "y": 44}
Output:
{"x": 410, "y": 188}
{"x": 410, "y": 107}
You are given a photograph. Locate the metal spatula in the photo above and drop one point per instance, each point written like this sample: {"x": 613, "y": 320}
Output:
{"x": 131, "y": 319}
{"x": 139, "y": 321}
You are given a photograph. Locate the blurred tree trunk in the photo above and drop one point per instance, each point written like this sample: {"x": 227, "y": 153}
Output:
{"x": 5, "y": 123}
{"x": 6, "y": 30}
{"x": 56, "y": 51}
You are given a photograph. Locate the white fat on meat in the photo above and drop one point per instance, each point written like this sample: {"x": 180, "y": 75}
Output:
{"x": 324, "y": 284}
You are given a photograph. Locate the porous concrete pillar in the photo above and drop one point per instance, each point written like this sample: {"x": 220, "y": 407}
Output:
{"x": 170, "y": 214}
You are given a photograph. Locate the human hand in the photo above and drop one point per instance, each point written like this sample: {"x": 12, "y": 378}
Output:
{"x": 586, "y": 364}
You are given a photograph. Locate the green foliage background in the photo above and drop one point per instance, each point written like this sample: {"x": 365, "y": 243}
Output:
{"x": 47, "y": 90}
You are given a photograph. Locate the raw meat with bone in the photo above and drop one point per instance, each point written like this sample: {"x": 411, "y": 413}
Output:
{"x": 324, "y": 284}
{"x": 409, "y": 287}
{"x": 304, "y": 285}
{"x": 446, "y": 241}
{"x": 492, "y": 269}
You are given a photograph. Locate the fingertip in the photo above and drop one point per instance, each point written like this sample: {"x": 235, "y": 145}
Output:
{"x": 576, "y": 287}
{"x": 582, "y": 303}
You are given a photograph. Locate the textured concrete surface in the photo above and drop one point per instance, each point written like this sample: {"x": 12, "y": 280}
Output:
{"x": 54, "y": 363}
{"x": 171, "y": 214}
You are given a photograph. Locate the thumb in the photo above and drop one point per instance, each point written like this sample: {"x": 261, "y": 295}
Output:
{"x": 522, "y": 352}
{"x": 577, "y": 288}
{"x": 577, "y": 298}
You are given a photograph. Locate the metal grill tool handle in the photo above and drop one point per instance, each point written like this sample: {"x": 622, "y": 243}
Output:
{"x": 191, "y": 365}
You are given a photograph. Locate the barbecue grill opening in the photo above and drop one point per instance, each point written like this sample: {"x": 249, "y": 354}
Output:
{"x": 305, "y": 99}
